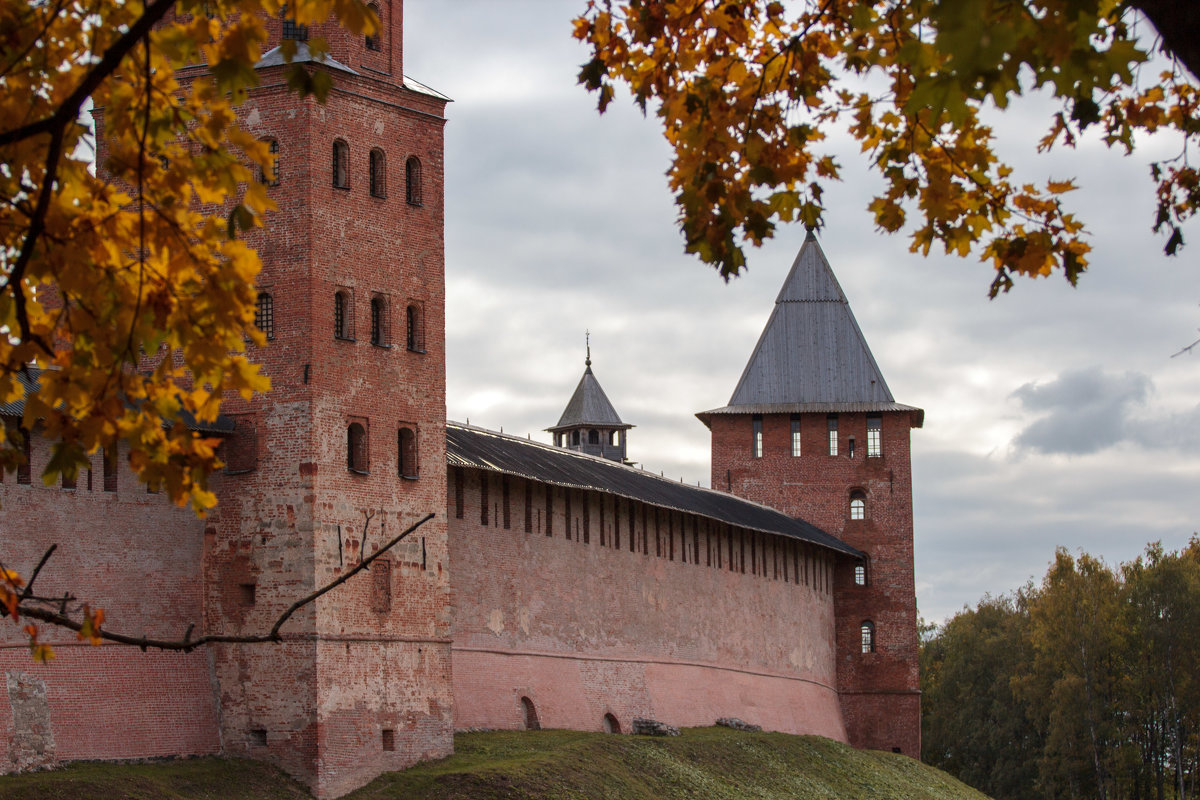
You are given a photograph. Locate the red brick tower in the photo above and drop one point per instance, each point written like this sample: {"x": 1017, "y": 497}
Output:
{"x": 348, "y": 448}
{"x": 812, "y": 430}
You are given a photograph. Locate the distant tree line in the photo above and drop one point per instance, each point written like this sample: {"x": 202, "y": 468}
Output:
{"x": 1087, "y": 686}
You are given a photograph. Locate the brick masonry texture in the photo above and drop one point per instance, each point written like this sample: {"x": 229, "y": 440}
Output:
{"x": 572, "y": 604}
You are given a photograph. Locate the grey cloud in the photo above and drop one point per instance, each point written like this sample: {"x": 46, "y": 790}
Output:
{"x": 1086, "y": 410}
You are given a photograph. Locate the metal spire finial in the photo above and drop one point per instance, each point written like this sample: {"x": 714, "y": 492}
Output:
{"x": 588, "y": 340}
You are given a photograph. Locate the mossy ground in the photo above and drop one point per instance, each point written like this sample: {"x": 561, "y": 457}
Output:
{"x": 703, "y": 763}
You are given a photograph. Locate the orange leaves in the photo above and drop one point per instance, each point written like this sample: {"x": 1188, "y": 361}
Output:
{"x": 746, "y": 91}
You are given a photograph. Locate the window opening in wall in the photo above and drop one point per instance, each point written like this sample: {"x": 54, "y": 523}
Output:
{"x": 378, "y": 174}
{"x": 587, "y": 522}
{"x": 529, "y": 506}
{"x": 258, "y": 737}
{"x": 756, "y": 442}
{"x": 632, "y": 527}
{"x": 269, "y": 174}
{"x": 483, "y": 497}
{"x": 850, "y": 447}
{"x": 567, "y": 516}
{"x": 695, "y": 542}
{"x": 388, "y": 739}
{"x": 611, "y": 725}
{"x": 378, "y": 321}
{"x": 795, "y": 434}
{"x": 833, "y": 442}
{"x": 529, "y": 717}
{"x": 89, "y": 478}
{"x": 414, "y": 328}
{"x": 860, "y": 575}
{"x": 372, "y": 40}
{"x": 25, "y": 468}
{"x": 593, "y": 437}
{"x": 549, "y": 510}
{"x": 671, "y": 536}
{"x": 246, "y": 593}
{"x": 264, "y": 314}
{"x": 505, "y": 503}
{"x": 291, "y": 29}
{"x": 110, "y": 469}
{"x": 868, "y": 636}
{"x": 858, "y": 505}
{"x": 574, "y": 437}
{"x": 412, "y": 180}
{"x": 69, "y": 481}
{"x": 603, "y": 533}
{"x": 458, "y": 492}
{"x": 341, "y": 164}
{"x": 874, "y": 437}
{"x": 612, "y": 439}
{"x": 341, "y": 316}
{"x": 381, "y": 586}
{"x": 406, "y": 445}
{"x": 356, "y": 448}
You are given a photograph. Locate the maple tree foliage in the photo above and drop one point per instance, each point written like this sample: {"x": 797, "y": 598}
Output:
{"x": 748, "y": 92}
{"x": 126, "y": 285}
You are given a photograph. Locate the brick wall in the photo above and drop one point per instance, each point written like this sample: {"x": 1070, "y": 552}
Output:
{"x": 582, "y": 626}
{"x": 137, "y": 557}
{"x": 879, "y": 689}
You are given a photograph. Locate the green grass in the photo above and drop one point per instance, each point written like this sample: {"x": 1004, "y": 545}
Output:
{"x": 703, "y": 763}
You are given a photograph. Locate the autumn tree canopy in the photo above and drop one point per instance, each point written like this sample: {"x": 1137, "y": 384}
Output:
{"x": 748, "y": 93}
{"x": 126, "y": 294}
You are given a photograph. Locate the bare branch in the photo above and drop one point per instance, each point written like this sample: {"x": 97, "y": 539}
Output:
{"x": 62, "y": 619}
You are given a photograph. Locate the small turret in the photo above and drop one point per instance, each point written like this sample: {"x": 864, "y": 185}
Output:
{"x": 589, "y": 423}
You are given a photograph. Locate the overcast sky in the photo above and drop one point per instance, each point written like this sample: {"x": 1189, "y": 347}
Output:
{"x": 1054, "y": 416}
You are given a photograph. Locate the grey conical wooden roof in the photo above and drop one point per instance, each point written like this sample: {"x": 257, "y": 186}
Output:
{"x": 589, "y": 405}
{"x": 811, "y": 355}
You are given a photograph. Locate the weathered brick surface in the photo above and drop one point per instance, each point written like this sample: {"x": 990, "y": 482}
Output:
{"x": 879, "y": 690}
{"x": 585, "y": 628}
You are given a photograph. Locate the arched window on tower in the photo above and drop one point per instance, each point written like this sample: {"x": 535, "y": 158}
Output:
{"x": 412, "y": 180}
{"x": 264, "y": 314}
{"x": 379, "y": 321}
{"x": 414, "y": 324}
{"x": 378, "y": 174}
{"x": 356, "y": 448}
{"x": 868, "y": 636}
{"x": 860, "y": 574}
{"x": 858, "y": 504}
{"x": 593, "y": 436}
{"x": 372, "y": 40}
{"x": 341, "y": 164}
{"x": 342, "y": 328}
{"x": 407, "y": 453}
{"x": 270, "y": 174}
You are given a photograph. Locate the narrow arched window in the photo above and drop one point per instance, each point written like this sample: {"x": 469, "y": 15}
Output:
{"x": 407, "y": 453}
{"x": 858, "y": 505}
{"x": 270, "y": 173}
{"x": 412, "y": 180}
{"x": 860, "y": 575}
{"x": 356, "y": 448}
{"x": 342, "y": 327}
{"x": 291, "y": 28}
{"x": 414, "y": 333}
{"x": 378, "y": 321}
{"x": 372, "y": 40}
{"x": 264, "y": 314}
{"x": 341, "y": 164}
{"x": 378, "y": 174}
{"x": 593, "y": 437}
{"x": 868, "y": 636}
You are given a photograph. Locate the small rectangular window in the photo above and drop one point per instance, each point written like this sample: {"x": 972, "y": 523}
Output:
{"x": 458, "y": 493}
{"x": 246, "y": 594}
{"x": 483, "y": 498}
{"x": 25, "y": 468}
{"x": 795, "y": 434}
{"x": 505, "y": 501}
{"x": 529, "y": 506}
{"x": 833, "y": 439}
{"x": 756, "y": 444}
{"x": 389, "y": 740}
{"x": 874, "y": 437}
{"x": 110, "y": 469}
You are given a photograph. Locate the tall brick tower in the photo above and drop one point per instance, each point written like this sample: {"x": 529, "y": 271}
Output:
{"x": 348, "y": 448}
{"x": 813, "y": 430}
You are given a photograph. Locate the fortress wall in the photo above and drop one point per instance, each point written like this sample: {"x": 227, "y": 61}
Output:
{"x": 583, "y": 626}
{"x": 139, "y": 558}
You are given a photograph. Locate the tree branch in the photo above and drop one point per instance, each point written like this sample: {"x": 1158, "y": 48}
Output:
{"x": 62, "y": 619}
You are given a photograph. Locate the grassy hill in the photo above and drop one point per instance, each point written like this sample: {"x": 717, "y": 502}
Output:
{"x": 708, "y": 763}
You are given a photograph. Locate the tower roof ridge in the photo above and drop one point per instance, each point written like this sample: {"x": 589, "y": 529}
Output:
{"x": 811, "y": 349}
{"x": 589, "y": 405}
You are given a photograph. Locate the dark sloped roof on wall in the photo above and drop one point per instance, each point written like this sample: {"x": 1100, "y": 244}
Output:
{"x": 477, "y": 448}
{"x": 589, "y": 405}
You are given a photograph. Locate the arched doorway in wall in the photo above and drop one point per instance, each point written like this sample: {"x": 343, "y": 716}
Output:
{"x": 611, "y": 725}
{"x": 529, "y": 715}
